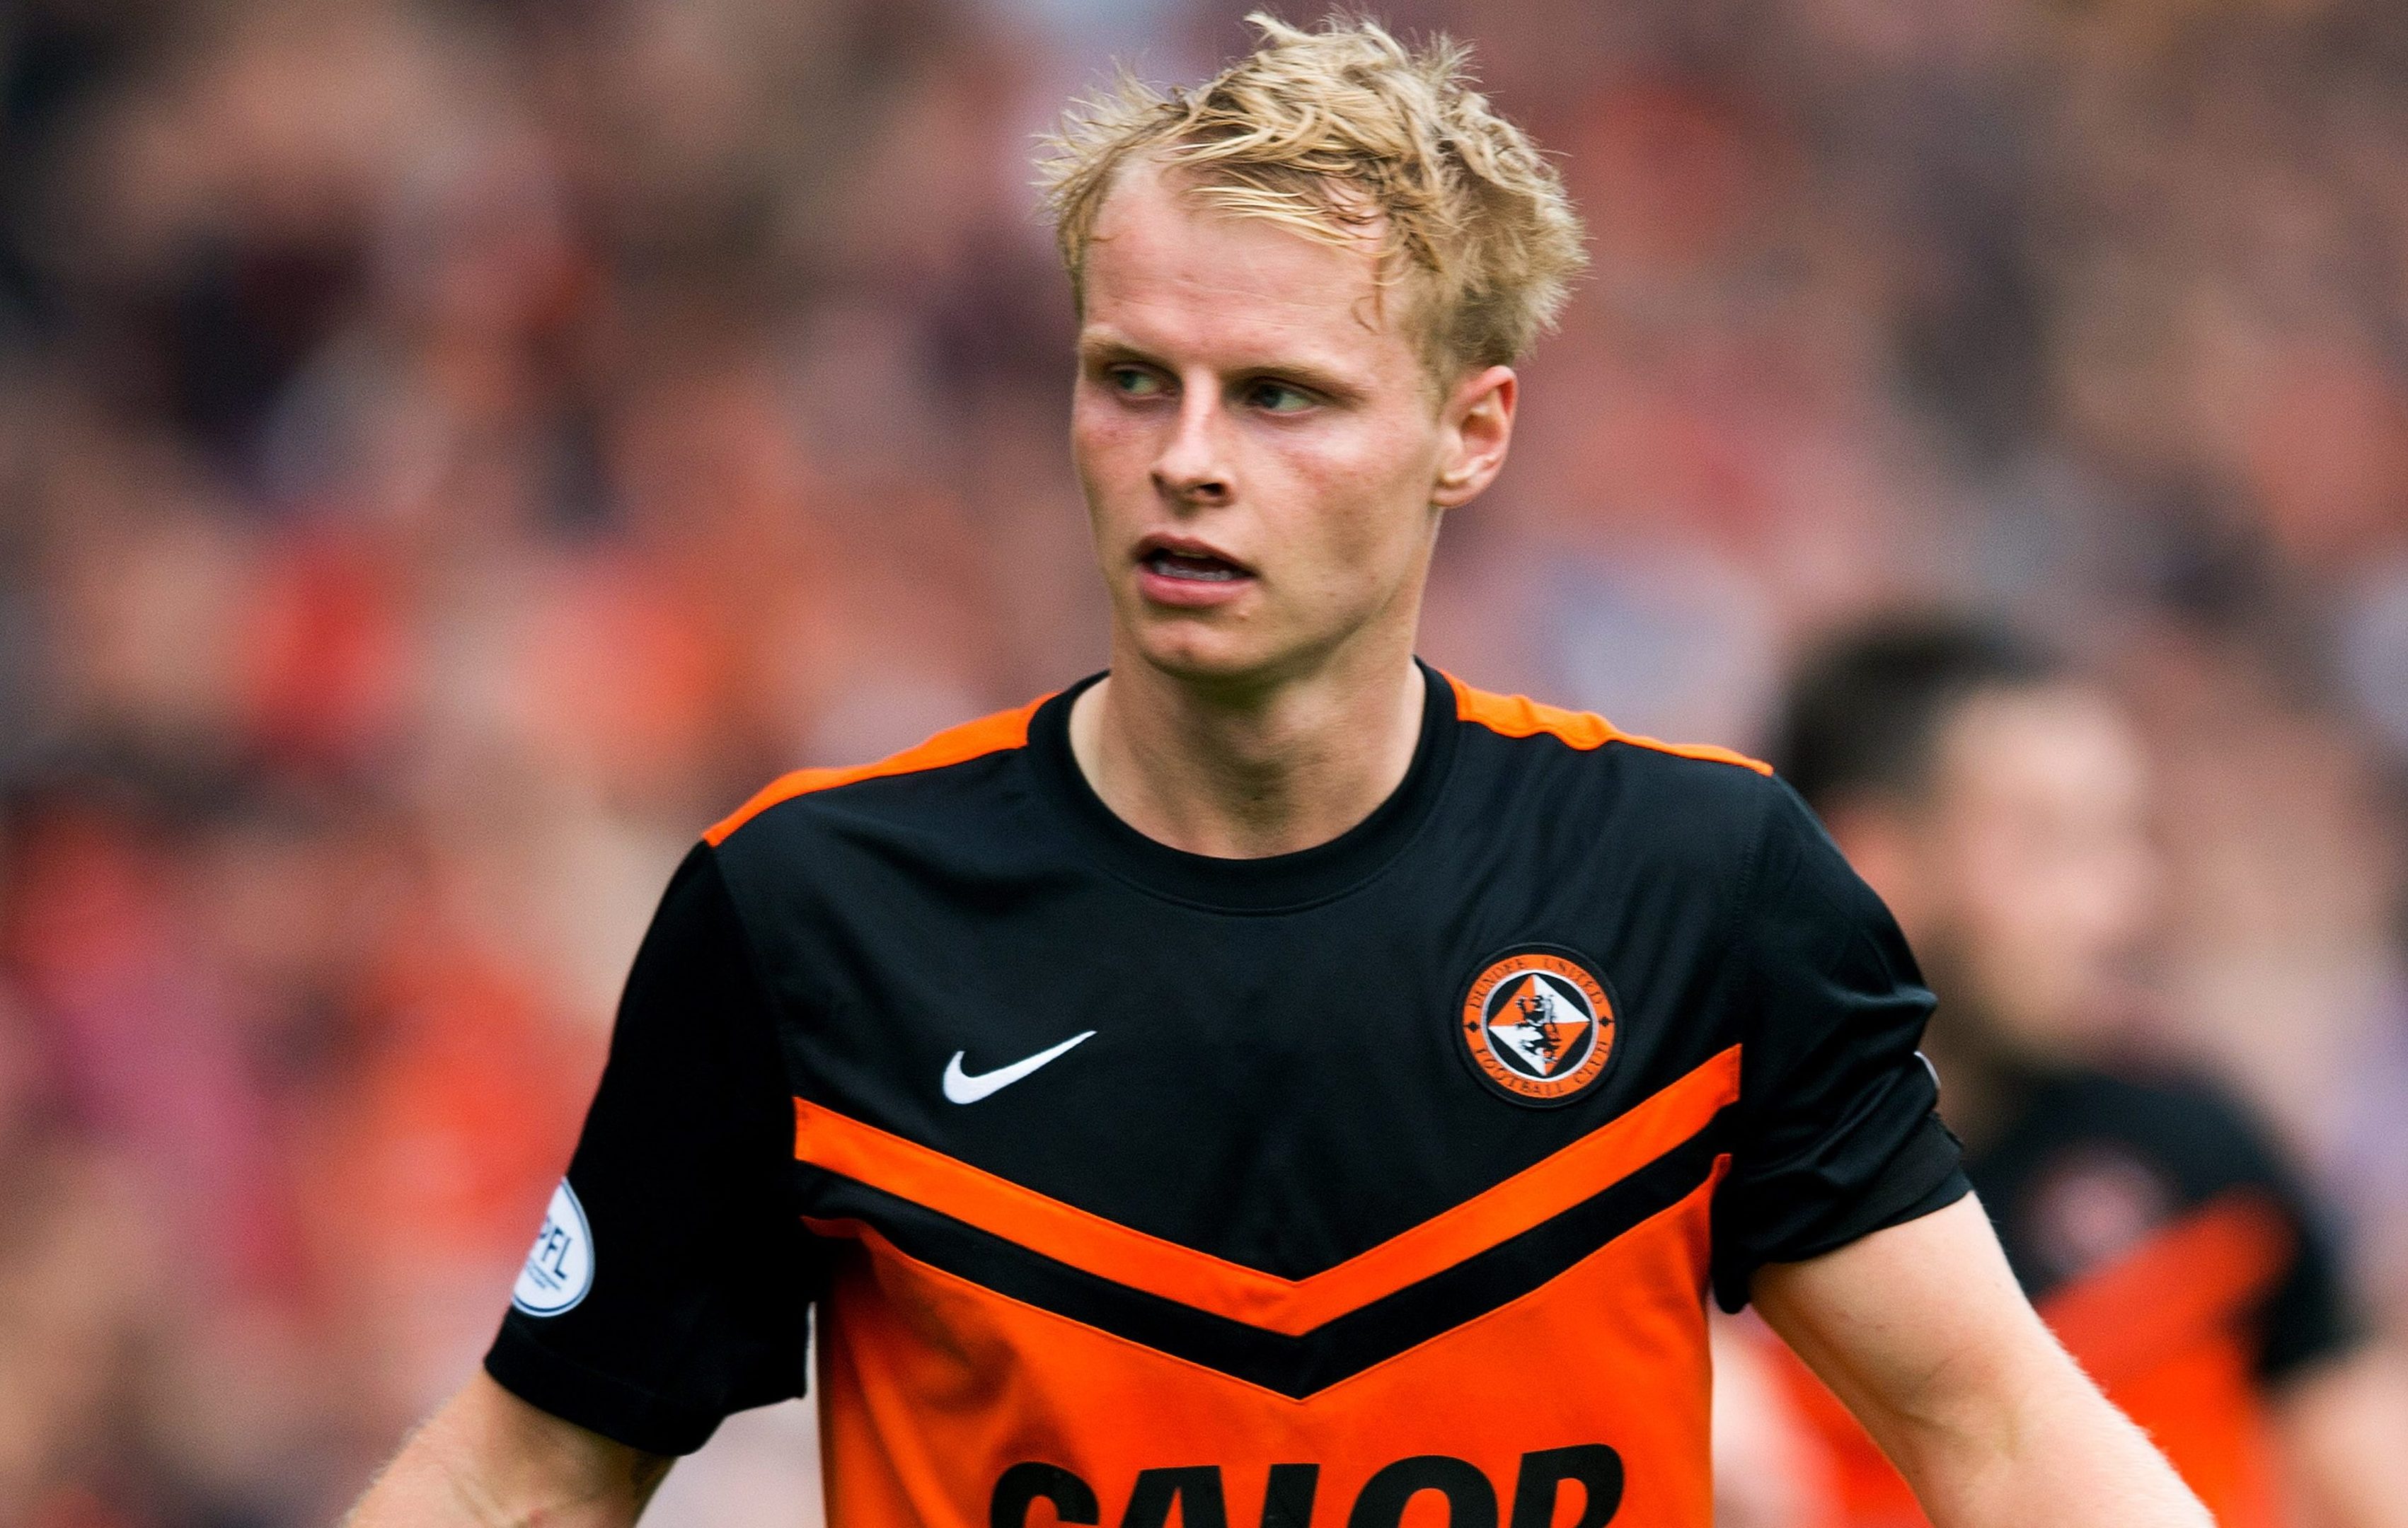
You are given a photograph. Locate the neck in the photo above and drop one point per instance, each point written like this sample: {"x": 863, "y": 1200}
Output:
{"x": 1244, "y": 772}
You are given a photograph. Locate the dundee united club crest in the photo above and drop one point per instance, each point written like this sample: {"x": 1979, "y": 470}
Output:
{"x": 1537, "y": 1026}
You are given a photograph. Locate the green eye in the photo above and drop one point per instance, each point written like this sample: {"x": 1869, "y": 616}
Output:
{"x": 1133, "y": 381}
{"x": 1278, "y": 398}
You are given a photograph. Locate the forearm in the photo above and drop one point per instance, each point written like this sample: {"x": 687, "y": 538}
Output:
{"x": 1922, "y": 1332}
{"x": 2039, "y": 1446}
{"x": 488, "y": 1460}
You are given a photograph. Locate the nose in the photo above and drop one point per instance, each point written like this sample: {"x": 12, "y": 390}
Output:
{"x": 1193, "y": 469}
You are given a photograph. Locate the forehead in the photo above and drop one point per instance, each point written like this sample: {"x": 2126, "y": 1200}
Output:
{"x": 1167, "y": 271}
{"x": 2064, "y": 743}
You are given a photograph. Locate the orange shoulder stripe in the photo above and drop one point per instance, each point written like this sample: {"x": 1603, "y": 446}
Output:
{"x": 955, "y": 744}
{"x": 1519, "y": 716}
{"x": 1108, "y": 1250}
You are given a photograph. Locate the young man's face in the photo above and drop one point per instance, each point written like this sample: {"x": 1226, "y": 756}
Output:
{"x": 1262, "y": 448}
{"x": 2036, "y": 871}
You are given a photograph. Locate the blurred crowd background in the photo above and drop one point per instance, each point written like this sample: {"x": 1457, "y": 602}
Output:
{"x": 452, "y": 451}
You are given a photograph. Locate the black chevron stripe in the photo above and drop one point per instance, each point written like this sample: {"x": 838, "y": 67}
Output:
{"x": 1294, "y": 1367}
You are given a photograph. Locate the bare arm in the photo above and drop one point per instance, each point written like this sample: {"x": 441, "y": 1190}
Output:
{"x": 1922, "y": 1331}
{"x": 489, "y": 1460}
{"x": 2346, "y": 1432}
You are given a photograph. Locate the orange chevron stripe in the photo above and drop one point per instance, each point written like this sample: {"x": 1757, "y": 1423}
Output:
{"x": 1290, "y": 1306}
{"x": 1519, "y": 716}
{"x": 955, "y": 744}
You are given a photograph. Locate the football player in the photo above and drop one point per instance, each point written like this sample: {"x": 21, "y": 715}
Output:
{"x": 2000, "y": 804}
{"x": 1272, "y": 1082}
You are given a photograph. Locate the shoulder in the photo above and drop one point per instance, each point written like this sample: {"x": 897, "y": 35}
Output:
{"x": 1697, "y": 807}
{"x": 1694, "y": 792}
{"x": 1519, "y": 717}
{"x": 941, "y": 770}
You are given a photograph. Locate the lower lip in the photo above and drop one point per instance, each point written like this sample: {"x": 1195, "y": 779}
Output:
{"x": 1190, "y": 594}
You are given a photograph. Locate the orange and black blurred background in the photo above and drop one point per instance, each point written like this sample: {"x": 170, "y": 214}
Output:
{"x": 450, "y": 450}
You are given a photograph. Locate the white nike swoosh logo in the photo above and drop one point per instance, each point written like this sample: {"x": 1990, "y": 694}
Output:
{"x": 962, "y": 1088}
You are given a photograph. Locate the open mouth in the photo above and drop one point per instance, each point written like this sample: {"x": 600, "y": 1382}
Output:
{"x": 1194, "y": 567}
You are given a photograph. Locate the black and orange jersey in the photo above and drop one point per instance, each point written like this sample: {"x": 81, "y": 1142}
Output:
{"x": 1278, "y": 1192}
{"x": 2181, "y": 1265}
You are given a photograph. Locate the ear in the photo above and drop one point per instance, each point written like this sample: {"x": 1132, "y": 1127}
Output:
{"x": 1476, "y": 420}
{"x": 1880, "y": 846}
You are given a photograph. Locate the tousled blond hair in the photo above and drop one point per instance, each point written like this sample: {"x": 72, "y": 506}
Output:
{"x": 1332, "y": 132}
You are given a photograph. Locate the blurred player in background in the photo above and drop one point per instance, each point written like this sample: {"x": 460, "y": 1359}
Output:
{"x": 1999, "y": 802}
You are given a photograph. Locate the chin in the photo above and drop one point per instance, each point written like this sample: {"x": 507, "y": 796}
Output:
{"x": 1195, "y": 650}
{"x": 1203, "y": 660}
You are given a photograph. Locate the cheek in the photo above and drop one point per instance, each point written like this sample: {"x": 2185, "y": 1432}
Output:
{"x": 1370, "y": 506}
{"x": 1346, "y": 550}
{"x": 2015, "y": 888}
{"x": 1108, "y": 450}
{"x": 2049, "y": 933}
{"x": 1994, "y": 895}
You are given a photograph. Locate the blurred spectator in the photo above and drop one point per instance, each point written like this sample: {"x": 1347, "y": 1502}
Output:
{"x": 80, "y": 1273}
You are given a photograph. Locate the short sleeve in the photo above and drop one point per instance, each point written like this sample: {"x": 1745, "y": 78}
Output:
{"x": 1838, "y": 1136}
{"x": 669, "y": 1284}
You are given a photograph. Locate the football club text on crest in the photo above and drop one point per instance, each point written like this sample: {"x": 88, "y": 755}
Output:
{"x": 1537, "y": 1026}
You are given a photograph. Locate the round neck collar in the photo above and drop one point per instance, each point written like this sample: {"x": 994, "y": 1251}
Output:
{"x": 1274, "y": 882}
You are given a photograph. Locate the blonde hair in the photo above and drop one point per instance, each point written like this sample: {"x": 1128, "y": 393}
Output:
{"x": 1330, "y": 132}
